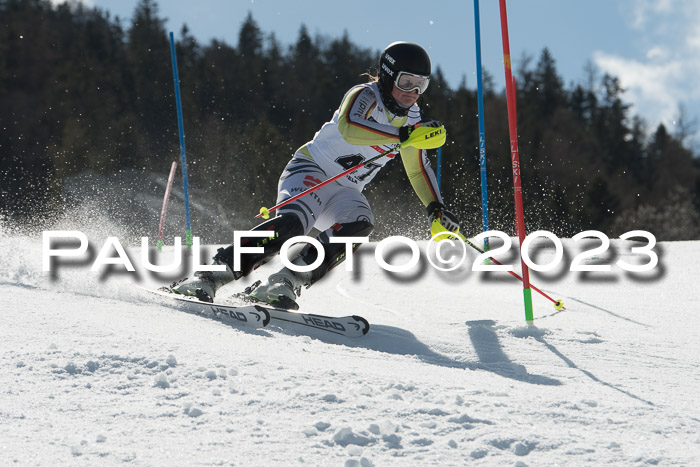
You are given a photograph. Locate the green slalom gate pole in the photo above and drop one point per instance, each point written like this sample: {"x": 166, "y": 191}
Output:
{"x": 515, "y": 159}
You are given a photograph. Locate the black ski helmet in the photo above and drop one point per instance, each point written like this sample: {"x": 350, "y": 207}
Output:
{"x": 397, "y": 57}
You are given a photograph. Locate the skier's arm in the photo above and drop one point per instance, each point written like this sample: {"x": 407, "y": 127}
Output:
{"x": 353, "y": 122}
{"x": 421, "y": 175}
{"x": 424, "y": 183}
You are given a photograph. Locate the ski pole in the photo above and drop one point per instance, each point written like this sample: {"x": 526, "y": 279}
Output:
{"x": 265, "y": 212}
{"x": 422, "y": 137}
{"x": 438, "y": 228}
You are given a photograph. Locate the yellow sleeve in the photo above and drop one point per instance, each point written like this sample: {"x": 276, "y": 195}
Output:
{"x": 421, "y": 175}
{"x": 354, "y": 123}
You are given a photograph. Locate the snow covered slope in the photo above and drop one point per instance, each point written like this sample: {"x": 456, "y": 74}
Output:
{"x": 93, "y": 371}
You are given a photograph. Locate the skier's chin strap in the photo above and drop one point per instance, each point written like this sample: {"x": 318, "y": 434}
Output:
{"x": 390, "y": 103}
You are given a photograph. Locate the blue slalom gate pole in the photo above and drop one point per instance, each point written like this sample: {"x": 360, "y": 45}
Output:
{"x": 482, "y": 131}
{"x": 188, "y": 227}
{"x": 439, "y": 168}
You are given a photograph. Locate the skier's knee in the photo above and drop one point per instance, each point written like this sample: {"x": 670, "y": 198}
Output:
{"x": 334, "y": 253}
{"x": 354, "y": 229}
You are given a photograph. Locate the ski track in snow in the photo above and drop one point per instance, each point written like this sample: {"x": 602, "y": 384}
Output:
{"x": 94, "y": 371}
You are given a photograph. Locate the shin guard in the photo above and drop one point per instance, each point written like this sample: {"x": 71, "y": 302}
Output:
{"x": 285, "y": 227}
{"x": 334, "y": 253}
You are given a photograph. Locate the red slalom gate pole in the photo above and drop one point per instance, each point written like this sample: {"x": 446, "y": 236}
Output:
{"x": 515, "y": 159}
{"x": 164, "y": 210}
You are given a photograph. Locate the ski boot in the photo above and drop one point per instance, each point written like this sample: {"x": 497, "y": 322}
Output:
{"x": 281, "y": 289}
{"x": 204, "y": 284}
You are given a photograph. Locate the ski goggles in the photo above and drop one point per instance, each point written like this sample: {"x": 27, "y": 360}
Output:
{"x": 408, "y": 82}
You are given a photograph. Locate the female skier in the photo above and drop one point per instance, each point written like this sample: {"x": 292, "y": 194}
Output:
{"x": 372, "y": 118}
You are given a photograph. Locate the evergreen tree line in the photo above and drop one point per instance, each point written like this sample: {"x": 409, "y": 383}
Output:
{"x": 81, "y": 91}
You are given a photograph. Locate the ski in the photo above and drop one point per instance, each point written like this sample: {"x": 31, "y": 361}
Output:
{"x": 252, "y": 315}
{"x": 348, "y": 326}
{"x": 257, "y": 316}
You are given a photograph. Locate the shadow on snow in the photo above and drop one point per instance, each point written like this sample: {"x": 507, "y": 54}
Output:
{"x": 397, "y": 341}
